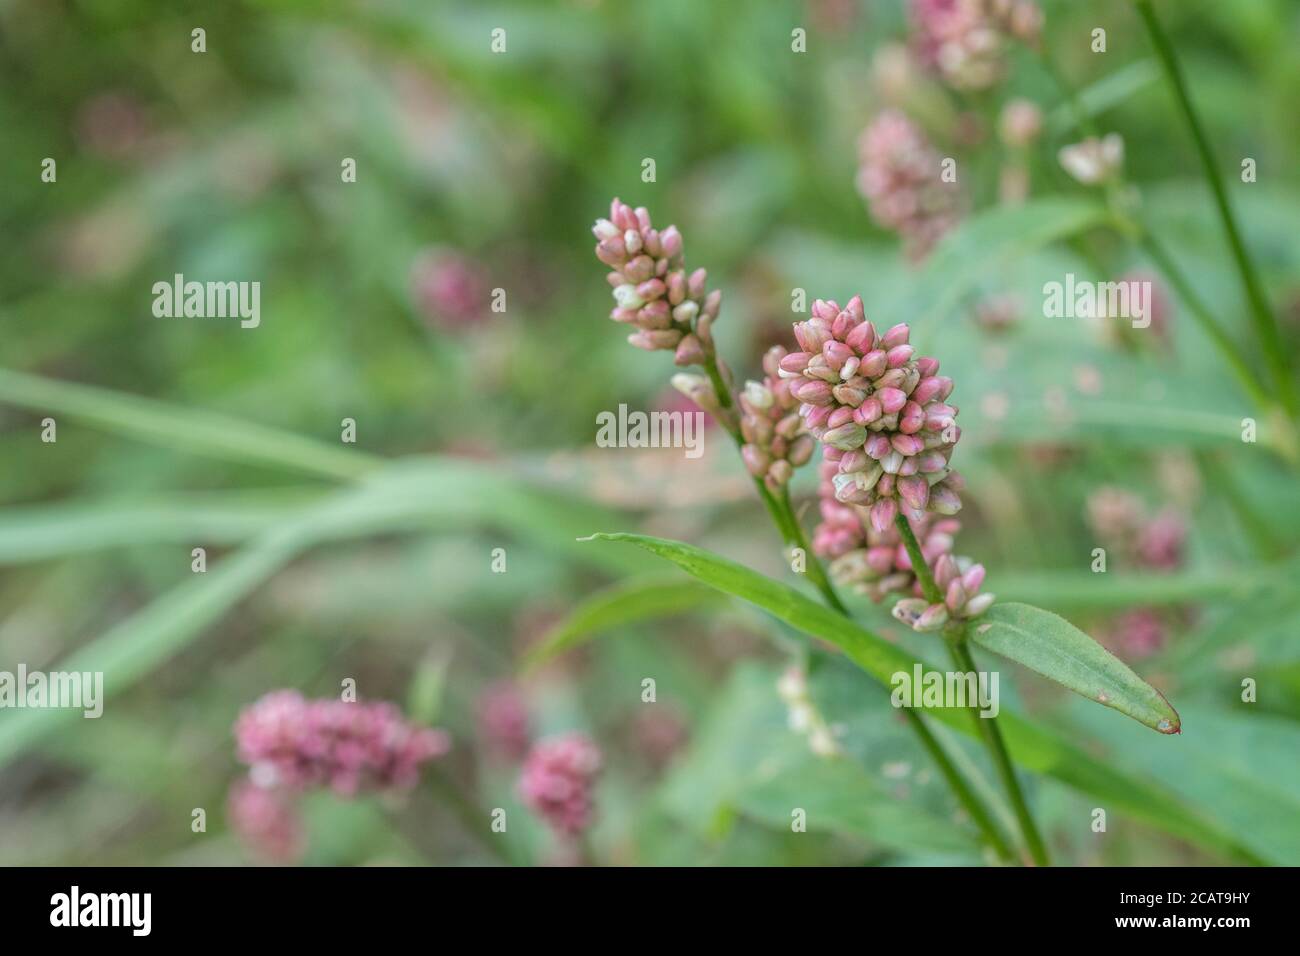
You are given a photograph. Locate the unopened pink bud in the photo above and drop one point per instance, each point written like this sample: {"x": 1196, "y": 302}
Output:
{"x": 891, "y": 399}
{"x": 811, "y": 335}
{"x": 689, "y": 351}
{"x": 862, "y": 339}
{"x": 840, "y": 416}
{"x": 846, "y": 436}
{"x": 612, "y": 252}
{"x": 944, "y": 500}
{"x": 654, "y": 315}
{"x": 955, "y": 596}
{"x": 671, "y": 241}
{"x": 756, "y": 460}
{"x": 878, "y": 446}
{"x": 896, "y": 336}
{"x": 713, "y": 303}
{"x": 849, "y": 395}
{"x": 695, "y": 284}
{"x": 911, "y": 418}
{"x": 654, "y": 340}
{"x": 945, "y": 571}
{"x": 868, "y": 411}
{"x": 933, "y": 618}
{"x": 907, "y": 445}
{"x": 882, "y": 514}
{"x": 794, "y": 363}
{"x": 915, "y": 492}
{"x": 812, "y": 391}
{"x": 898, "y": 356}
{"x": 926, "y": 389}
{"x": 836, "y": 353}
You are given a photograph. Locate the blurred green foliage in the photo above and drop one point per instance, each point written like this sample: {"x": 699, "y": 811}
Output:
{"x": 328, "y": 560}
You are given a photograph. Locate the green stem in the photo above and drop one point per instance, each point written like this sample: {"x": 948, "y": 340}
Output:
{"x": 1265, "y": 326}
{"x": 778, "y": 504}
{"x": 1160, "y": 256}
{"x": 987, "y": 726}
{"x": 815, "y": 570}
{"x": 919, "y": 566}
{"x": 1163, "y": 260}
{"x": 964, "y": 794}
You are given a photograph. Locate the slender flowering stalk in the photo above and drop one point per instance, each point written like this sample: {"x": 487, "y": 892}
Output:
{"x": 1152, "y": 245}
{"x": 955, "y": 632}
{"x": 712, "y": 393}
{"x": 881, "y": 415}
{"x": 1265, "y": 325}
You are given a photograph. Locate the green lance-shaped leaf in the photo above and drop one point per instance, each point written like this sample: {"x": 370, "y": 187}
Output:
{"x": 627, "y": 602}
{"x": 1035, "y": 748}
{"x": 1052, "y": 646}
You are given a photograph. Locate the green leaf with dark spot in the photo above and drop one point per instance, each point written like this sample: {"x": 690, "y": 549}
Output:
{"x": 1050, "y": 645}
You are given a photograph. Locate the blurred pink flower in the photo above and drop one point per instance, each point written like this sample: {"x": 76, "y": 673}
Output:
{"x": 899, "y": 176}
{"x": 1020, "y": 123}
{"x": 113, "y": 124}
{"x": 965, "y": 41}
{"x": 291, "y": 742}
{"x": 266, "y": 821}
{"x": 1138, "y": 633}
{"x": 1160, "y": 541}
{"x": 557, "y": 782}
{"x": 503, "y": 720}
{"x": 450, "y": 288}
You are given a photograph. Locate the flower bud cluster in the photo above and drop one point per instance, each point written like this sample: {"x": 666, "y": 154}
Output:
{"x": 899, "y": 174}
{"x": 959, "y": 582}
{"x": 965, "y": 41}
{"x": 558, "y": 779}
{"x": 668, "y": 307}
{"x": 776, "y": 441}
{"x": 349, "y": 747}
{"x": 881, "y": 411}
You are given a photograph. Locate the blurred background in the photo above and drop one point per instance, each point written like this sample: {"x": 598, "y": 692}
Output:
{"x": 374, "y": 561}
